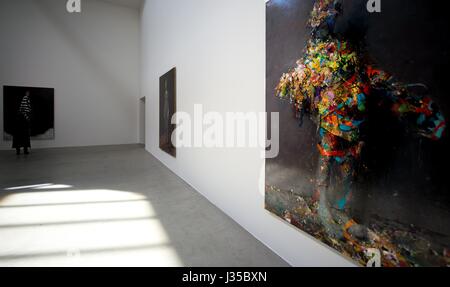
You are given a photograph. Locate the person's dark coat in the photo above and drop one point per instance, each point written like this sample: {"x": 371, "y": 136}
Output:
{"x": 21, "y": 136}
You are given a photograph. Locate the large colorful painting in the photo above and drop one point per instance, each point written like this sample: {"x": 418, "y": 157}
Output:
{"x": 362, "y": 98}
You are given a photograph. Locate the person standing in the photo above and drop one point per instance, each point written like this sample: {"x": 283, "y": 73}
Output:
{"x": 21, "y": 137}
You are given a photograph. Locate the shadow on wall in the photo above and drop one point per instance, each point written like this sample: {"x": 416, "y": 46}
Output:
{"x": 66, "y": 28}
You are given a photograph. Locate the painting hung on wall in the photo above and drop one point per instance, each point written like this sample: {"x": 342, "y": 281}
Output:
{"x": 39, "y": 106}
{"x": 167, "y": 108}
{"x": 362, "y": 99}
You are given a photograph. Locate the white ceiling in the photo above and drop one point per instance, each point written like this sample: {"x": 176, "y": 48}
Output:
{"x": 136, "y": 4}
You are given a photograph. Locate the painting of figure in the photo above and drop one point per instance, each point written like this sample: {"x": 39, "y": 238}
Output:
{"x": 363, "y": 135}
{"x": 167, "y": 108}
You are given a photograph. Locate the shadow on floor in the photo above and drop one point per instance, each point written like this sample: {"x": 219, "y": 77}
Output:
{"x": 113, "y": 206}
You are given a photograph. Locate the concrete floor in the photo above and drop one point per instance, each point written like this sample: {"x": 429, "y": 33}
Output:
{"x": 112, "y": 206}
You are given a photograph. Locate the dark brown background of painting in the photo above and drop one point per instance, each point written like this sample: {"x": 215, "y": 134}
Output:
{"x": 165, "y": 134}
{"x": 407, "y": 177}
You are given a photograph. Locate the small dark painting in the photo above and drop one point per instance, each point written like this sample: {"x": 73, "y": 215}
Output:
{"x": 40, "y": 110}
{"x": 167, "y": 108}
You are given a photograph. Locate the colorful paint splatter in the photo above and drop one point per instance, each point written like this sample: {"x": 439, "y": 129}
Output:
{"x": 332, "y": 83}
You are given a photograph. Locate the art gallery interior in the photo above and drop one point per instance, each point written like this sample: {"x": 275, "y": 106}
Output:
{"x": 103, "y": 186}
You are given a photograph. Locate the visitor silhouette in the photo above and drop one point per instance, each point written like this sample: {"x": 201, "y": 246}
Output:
{"x": 21, "y": 136}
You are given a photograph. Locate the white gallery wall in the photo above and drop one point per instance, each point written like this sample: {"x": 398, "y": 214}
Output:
{"x": 218, "y": 48}
{"x": 91, "y": 59}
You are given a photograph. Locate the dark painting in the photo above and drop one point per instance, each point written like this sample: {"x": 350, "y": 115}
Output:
{"x": 167, "y": 108}
{"x": 363, "y": 103}
{"x": 40, "y": 102}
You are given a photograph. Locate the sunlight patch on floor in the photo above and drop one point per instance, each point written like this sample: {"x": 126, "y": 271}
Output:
{"x": 81, "y": 228}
